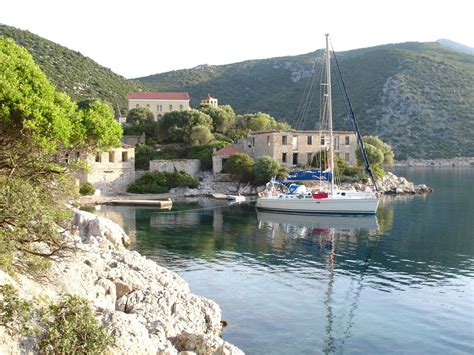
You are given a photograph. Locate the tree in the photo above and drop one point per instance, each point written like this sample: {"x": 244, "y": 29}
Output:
{"x": 223, "y": 117}
{"x": 240, "y": 166}
{"x": 264, "y": 169}
{"x": 258, "y": 122}
{"x": 176, "y": 126}
{"x": 200, "y": 135}
{"x": 39, "y": 129}
{"x": 383, "y": 147}
{"x": 378, "y": 153}
{"x": 139, "y": 116}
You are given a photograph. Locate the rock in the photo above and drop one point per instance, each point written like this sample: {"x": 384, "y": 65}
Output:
{"x": 246, "y": 190}
{"x": 132, "y": 336}
{"x": 99, "y": 231}
{"x": 146, "y": 306}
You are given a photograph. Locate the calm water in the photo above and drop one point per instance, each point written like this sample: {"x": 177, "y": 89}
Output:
{"x": 400, "y": 282}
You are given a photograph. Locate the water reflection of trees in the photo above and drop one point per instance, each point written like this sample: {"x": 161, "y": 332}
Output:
{"x": 237, "y": 234}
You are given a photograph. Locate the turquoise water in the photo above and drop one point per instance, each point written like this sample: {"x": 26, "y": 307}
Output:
{"x": 400, "y": 282}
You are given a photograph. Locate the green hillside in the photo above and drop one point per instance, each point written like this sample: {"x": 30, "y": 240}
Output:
{"x": 73, "y": 73}
{"x": 419, "y": 97}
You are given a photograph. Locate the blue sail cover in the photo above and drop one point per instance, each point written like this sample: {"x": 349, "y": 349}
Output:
{"x": 309, "y": 175}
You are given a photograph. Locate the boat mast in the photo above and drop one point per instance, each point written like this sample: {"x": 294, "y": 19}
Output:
{"x": 329, "y": 108}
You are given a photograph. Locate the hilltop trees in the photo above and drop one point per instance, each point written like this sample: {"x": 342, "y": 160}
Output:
{"x": 177, "y": 126}
{"x": 257, "y": 122}
{"x": 223, "y": 117}
{"x": 139, "y": 116}
{"x": 39, "y": 130}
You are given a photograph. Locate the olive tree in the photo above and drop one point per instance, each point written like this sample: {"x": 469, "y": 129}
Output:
{"x": 39, "y": 130}
{"x": 177, "y": 126}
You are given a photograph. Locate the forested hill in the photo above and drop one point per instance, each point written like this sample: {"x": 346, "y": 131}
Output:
{"x": 419, "y": 97}
{"x": 73, "y": 73}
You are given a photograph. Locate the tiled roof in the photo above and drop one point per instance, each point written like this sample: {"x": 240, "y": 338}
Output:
{"x": 159, "y": 95}
{"x": 228, "y": 151}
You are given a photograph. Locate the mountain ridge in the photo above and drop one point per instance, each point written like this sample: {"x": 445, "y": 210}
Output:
{"x": 418, "y": 97}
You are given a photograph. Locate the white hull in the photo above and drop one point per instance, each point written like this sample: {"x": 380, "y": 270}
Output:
{"x": 307, "y": 204}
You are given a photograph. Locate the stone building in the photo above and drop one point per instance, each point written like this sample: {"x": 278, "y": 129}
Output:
{"x": 134, "y": 140}
{"x": 220, "y": 156}
{"x": 298, "y": 147}
{"x": 110, "y": 172}
{"x": 159, "y": 102}
{"x": 209, "y": 100}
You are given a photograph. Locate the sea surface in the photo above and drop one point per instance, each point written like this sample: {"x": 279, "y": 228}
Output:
{"x": 400, "y": 282}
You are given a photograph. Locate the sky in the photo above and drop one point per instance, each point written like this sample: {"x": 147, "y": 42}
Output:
{"x": 144, "y": 37}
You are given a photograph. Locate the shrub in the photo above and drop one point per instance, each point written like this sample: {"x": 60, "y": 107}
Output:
{"x": 86, "y": 188}
{"x": 14, "y": 312}
{"x": 72, "y": 328}
{"x": 161, "y": 182}
{"x": 264, "y": 169}
{"x": 240, "y": 167}
{"x": 30, "y": 237}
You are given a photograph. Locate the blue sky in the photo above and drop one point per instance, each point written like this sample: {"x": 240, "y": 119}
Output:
{"x": 143, "y": 37}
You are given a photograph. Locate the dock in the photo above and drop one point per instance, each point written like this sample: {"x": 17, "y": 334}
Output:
{"x": 163, "y": 204}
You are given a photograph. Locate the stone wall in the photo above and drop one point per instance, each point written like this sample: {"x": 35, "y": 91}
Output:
{"x": 189, "y": 166}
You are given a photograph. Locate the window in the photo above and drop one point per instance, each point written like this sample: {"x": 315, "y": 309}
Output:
{"x": 347, "y": 157}
{"x": 124, "y": 156}
{"x": 268, "y": 140}
{"x": 170, "y": 107}
{"x": 283, "y": 157}
{"x": 309, "y": 140}
{"x": 284, "y": 140}
{"x": 336, "y": 143}
{"x": 295, "y": 158}
{"x": 181, "y": 107}
{"x": 159, "y": 108}
{"x": 97, "y": 158}
{"x": 112, "y": 157}
{"x": 295, "y": 142}
{"x": 137, "y": 105}
{"x": 322, "y": 140}
{"x": 347, "y": 140}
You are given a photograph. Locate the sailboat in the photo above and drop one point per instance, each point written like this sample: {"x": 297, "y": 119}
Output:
{"x": 300, "y": 199}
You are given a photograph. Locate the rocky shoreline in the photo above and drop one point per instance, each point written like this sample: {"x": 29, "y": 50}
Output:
{"x": 149, "y": 309}
{"x": 389, "y": 184}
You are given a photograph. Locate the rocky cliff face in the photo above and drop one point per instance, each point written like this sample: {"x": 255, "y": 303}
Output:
{"x": 148, "y": 308}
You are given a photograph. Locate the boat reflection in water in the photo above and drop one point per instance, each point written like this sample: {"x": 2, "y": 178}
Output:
{"x": 327, "y": 231}
{"x": 302, "y": 223}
